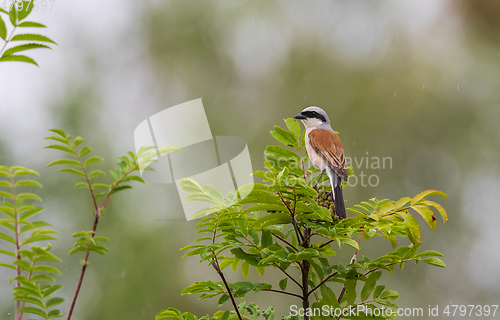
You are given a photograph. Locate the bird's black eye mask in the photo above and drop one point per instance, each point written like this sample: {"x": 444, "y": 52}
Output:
{"x": 313, "y": 114}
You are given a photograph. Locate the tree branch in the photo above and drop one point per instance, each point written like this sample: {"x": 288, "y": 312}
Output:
{"x": 321, "y": 283}
{"x": 288, "y": 243}
{"x": 283, "y": 292}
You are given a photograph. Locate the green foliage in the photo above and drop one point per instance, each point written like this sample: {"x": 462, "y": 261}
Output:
{"x": 80, "y": 163}
{"x": 252, "y": 309}
{"x": 283, "y": 224}
{"x": 32, "y": 274}
{"x": 16, "y": 15}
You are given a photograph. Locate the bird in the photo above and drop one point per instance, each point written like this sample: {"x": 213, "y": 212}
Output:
{"x": 326, "y": 152}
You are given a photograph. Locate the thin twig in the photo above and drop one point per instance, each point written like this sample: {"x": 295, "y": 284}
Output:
{"x": 353, "y": 259}
{"x": 215, "y": 264}
{"x": 322, "y": 282}
{"x": 326, "y": 243}
{"x": 8, "y": 40}
{"x": 288, "y": 243}
{"x": 305, "y": 276}
{"x": 94, "y": 228}
{"x": 19, "y": 315}
{"x": 275, "y": 264}
{"x": 283, "y": 292}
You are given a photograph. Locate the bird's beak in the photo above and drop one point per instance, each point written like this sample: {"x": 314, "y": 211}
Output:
{"x": 300, "y": 116}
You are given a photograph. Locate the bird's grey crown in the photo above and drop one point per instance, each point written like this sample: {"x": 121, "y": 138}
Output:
{"x": 313, "y": 109}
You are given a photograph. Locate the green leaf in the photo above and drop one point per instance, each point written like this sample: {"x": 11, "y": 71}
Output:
{"x": 2, "y": 264}
{"x": 18, "y": 58}
{"x": 434, "y": 262}
{"x": 5, "y": 184}
{"x": 293, "y": 126}
{"x": 60, "y": 132}
{"x": 92, "y": 160}
{"x": 35, "y": 238}
{"x": 3, "y": 29}
{"x": 32, "y": 37}
{"x": 214, "y": 193}
{"x": 369, "y": 286}
{"x": 29, "y": 195}
{"x": 133, "y": 178}
{"x": 60, "y": 148}
{"x": 33, "y": 310}
{"x": 281, "y": 153}
{"x": 120, "y": 188}
{"x": 33, "y": 300}
{"x": 24, "y": 183}
{"x": 42, "y": 277}
{"x": 268, "y": 314}
{"x": 116, "y": 174}
{"x": 72, "y": 170}
{"x": 26, "y": 10}
{"x": 427, "y": 214}
{"x": 48, "y": 269}
{"x": 13, "y": 14}
{"x": 427, "y": 193}
{"x": 85, "y": 150}
{"x": 30, "y": 24}
{"x": 284, "y": 137}
{"x": 25, "y": 47}
{"x": 7, "y": 238}
{"x": 25, "y": 266}
{"x": 77, "y": 249}
{"x": 55, "y": 314}
{"x": 267, "y": 238}
{"x": 283, "y": 283}
{"x": 389, "y": 295}
{"x": 64, "y": 162}
{"x": 54, "y": 302}
{"x": 9, "y": 253}
{"x": 350, "y": 286}
{"x": 81, "y": 185}
{"x": 429, "y": 253}
{"x": 245, "y": 268}
{"x": 95, "y": 173}
{"x": 223, "y": 299}
{"x": 50, "y": 291}
{"x": 19, "y": 171}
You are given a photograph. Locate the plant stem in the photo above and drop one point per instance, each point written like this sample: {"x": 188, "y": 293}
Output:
{"x": 19, "y": 315}
{"x": 275, "y": 264}
{"x": 322, "y": 282}
{"x": 283, "y": 292}
{"x": 96, "y": 222}
{"x": 82, "y": 274}
{"x": 288, "y": 243}
{"x": 305, "y": 276}
{"x": 8, "y": 40}
{"x": 215, "y": 264}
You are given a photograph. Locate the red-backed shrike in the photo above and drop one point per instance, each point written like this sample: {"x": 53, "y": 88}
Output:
{"x": 325, "y": 152}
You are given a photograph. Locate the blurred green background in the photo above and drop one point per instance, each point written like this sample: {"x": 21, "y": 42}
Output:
{"x": 417, "y": 81}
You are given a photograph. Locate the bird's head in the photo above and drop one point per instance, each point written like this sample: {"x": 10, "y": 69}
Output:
{"x": 313, "y": 117}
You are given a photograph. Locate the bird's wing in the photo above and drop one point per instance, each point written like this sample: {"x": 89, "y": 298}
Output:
{"x": 327, "y": 144}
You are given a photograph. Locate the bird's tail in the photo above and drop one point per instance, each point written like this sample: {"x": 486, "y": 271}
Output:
{"x": 339, "y": 200}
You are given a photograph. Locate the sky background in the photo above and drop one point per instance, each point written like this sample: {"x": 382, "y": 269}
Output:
{"x": 417, "y": 81}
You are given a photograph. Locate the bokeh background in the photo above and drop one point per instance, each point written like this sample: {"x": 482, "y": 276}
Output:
{"x": 414, "y": 80}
